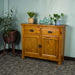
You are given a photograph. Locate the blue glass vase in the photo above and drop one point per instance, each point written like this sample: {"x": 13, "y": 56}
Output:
{"x": 58, "y": 22}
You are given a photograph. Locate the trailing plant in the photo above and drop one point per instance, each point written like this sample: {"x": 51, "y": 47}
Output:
{"x": 6, "y": 22}
{"x": 31, "y": 14}
{"x": 56, "y": 17}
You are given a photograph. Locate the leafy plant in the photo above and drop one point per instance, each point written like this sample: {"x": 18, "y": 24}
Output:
{"x": 1, "y": 20}
{"x": 6, "y": 22}
{"x": 56, "y": 17}
{"x": 31, "y": 14}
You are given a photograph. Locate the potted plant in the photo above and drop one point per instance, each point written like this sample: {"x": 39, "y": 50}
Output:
{"x": 31, "y": 14}
{"x": 56, "y": 18}
{"x": 9, "y": 35}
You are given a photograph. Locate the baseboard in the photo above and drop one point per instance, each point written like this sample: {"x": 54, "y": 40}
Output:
{"x": 1, "y": 51}
{"x": 20, "y": 52}
{"x": 9, "y": 50}
{"x": 69, "y": 58}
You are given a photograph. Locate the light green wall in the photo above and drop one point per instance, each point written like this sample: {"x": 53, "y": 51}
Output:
{"x": 1, "y": 7}
{"x": 6, "y": 6}
{"x": 1, "y": 14}
{"x": 44, "y": 8}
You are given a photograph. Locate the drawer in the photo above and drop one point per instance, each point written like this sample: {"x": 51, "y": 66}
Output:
{"x": 50, "y": 31}
{"x": 31, "y": 30}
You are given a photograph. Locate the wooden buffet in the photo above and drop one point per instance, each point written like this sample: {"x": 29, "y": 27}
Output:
{"x": 43, "y": 41}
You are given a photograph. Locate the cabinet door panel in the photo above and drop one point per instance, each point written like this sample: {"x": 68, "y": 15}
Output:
{"x": 50, "y": 47}
{"x": 31, "y": 45}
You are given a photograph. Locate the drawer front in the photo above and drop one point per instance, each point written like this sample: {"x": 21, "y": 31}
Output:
{"x": 50, "y": 31}
{"x": 31, "y": 30}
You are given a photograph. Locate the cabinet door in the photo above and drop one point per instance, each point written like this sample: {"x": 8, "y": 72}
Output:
{"x": 31, "y": 43}
{"x": 50, "y": 47}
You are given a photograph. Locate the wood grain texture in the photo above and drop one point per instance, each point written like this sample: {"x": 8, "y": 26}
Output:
{"x": 43, "y": 41}
{"x": 31, "y": 43}
{"x": 50, "y": 31}
{"x": 49, "y": 46}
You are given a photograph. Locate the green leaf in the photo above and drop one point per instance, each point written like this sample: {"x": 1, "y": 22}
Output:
{"x": 55, "y": 20}
{"x": 55, "y": 15}
{"x": 11, "y": 10}
{"x": 62, "y": 14}
{"x": 31, "y": 14}
{"x": 49, "y": 15}
{"x": 51, "y": 18}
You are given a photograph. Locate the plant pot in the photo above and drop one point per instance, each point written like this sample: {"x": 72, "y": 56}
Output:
{"x": 11, "y": 38}
{"x": 30, "y": 20}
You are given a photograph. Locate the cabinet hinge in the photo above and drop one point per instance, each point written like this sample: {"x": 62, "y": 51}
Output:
{"x": 40, "y": 46}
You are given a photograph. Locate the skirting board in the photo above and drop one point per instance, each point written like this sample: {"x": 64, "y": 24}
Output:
{"x": 20, "y": 51}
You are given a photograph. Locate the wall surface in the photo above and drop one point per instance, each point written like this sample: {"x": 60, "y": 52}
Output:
{"x": 44, "y": 8}
{"x": 1, "y": 14}
{"x": 1, "y": 7}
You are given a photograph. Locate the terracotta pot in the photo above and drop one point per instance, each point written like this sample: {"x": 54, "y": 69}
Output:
{"x": 30, "y": 20}
{"x": 11, "y": 38}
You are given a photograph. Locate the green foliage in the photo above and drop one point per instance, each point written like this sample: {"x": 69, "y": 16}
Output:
{"x": 1, "y": 20}
{"x": 6, "y": 22}
{"x": 31, "y": 14}
{"x": 62, "y": 14}
{"x": 56, "y": 17}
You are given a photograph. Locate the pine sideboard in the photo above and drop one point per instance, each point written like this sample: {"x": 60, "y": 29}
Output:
{"x": 43, "y": 41}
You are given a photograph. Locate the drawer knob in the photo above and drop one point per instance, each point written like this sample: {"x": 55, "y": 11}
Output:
{"x": 31, "y": 30}
{"x": 49, "y": 31}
